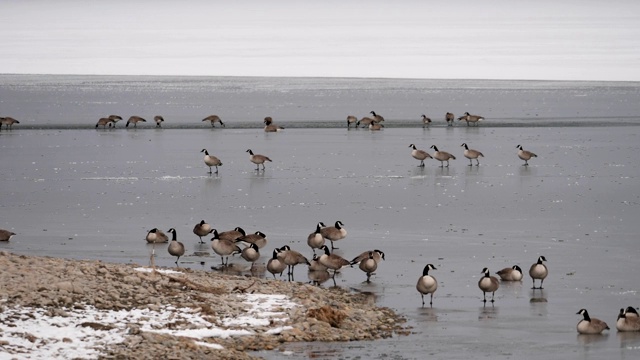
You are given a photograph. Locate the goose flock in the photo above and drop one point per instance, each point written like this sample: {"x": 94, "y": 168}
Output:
{"x": 327, "y": 264}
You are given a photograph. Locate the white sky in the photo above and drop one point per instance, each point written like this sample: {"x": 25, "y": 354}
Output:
{"x": 456, "y": 39}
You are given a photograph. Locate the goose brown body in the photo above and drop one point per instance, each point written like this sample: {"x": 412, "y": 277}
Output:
{"x": 589, "y": 325}
{"x": 213, "y": 119}
{"x": 419, "y": 154}
{"x": 487, "y": 284}
{"x": 427, "y": 284}
{"x": 442, "y": 156}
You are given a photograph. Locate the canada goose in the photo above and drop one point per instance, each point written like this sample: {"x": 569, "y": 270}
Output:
{"x": 291, "y": 258}
{"x": 334, "y": 233}
{"x": 259, "y": 238}
{"x": 590, "y": 325}
{"x": 425, "y": 120}
{"x": 471, "y": 118}
{"x": 525, "y": 155}
{"x": 314, "y": 264}
{"x": 538, "y": 271}
{"x": 135, "y": 120}
{"x": 471, "y": 154}
{"x": 275, "y": 265}
{"x": 159, "y": 120}
{"x": 351, "y": 120}
{"x": 488, "y": 284}
{"x": 115, "y": 119}
{"x": 376, "y": 117}
{"x": 156, "y": 236}
{"x": 232, "y": 235}
{"x": 8, "y": 121}
{"x": 513, "y": 273}
{"x": 270, "y": 127}
{"x": 202, "y": 229}
{"x": 365, "y": 121}
{"x": 5, "y": 235}
{"x": 332, "y": 261}
{"x": 442, "y": 156}
{"x": 449, "y": 117}
{"x": 369, "y": 265}
{"x": 628, "y": 321}
{"x": 211, "y": 160}
{"x": 419, "y": 155}
{"x": 214, "y": 119}
{"x": 427, "y": 284}
{"x": 251, "y": 253}
{"x": 103, "y": 122}
{"x": 257, "y": 159}
{"x": 377, "y": 256}
{"x": 224, "y": 247}
{"x": 175, "y": 247}
{"x": 315, "y": 240}
{"x": 374, "y": 126}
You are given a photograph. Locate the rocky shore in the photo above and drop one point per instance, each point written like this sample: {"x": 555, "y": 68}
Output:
{"x": 127, "y": 311}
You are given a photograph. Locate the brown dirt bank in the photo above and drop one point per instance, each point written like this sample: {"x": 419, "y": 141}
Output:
{"x": 53, "y": 284}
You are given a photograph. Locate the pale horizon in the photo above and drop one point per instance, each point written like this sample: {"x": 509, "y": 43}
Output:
{"x": 493, "y": 40}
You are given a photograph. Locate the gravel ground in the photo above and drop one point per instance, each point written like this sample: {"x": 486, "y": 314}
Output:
{"x": 58, "y": 285}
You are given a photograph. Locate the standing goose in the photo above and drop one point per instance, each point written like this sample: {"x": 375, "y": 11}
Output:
{"x": 159, "y": 120}
{"x": 259, "y": 238}
{"x": 134, "y": 120}
{"x": 589, "y": 325}
{"x": 156, "y": 236}
{"x": 538, "y": 271}
{"x": 115, "y": 119}
{"x": 8, "y": 121}
{"x": 471, "y": 154}
{"x": 103, "y": 122}
{"x": 449, "y": 117}
{"x": 334, "y": 233}
{"x": 5, "y": 235}
{"x": 224, "y": 247}
{"x": 270, "y": 127}
{"x": 419, "y": 155}
{"x": 628, "y": 321}
{"x": 257, "y": 159}
{"x": 202, "y": 229}
{"x": 275, "y": 265}
{"x": 378, "y": 255}
{"x": 525, "y": 155}
{"x": 425, "y": 121}
{"x": 251, "y": 253}
{"x": 369, "y": 265}
{"x": 213, "y": 119}
{"x": 232, "y": 235}
{"x": 315, "y": 240}
{"x": 211, "y": 160}
{"x": 427, "y": 284}
{"x": 513, "y": 273}
{"x": 332, "y": 261}
{"x": 471, "y": 118}
{"x": 375, "y": 126}
{"x": 175, "y": 247}
{"x": 291, "y": 258}
{"x": 351, "y": 120}
{"x": 488, "y": 284}
{"x": 376, "y": 117}
{"x": 442, "y": 156}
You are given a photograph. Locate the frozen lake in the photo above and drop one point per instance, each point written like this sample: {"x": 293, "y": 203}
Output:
{"x": 72, "y": 191}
